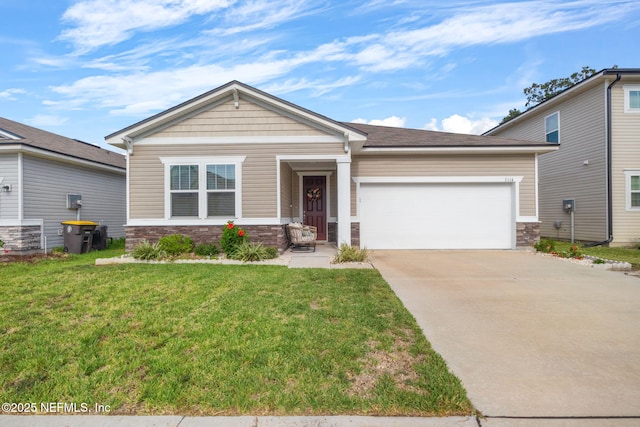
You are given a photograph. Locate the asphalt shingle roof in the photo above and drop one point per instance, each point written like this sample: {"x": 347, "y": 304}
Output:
{"x": 41, "y": 139}
{"x": 383, "y": 136}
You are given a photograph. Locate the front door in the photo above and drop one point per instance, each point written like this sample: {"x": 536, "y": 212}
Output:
{"x": 314, "y": 203}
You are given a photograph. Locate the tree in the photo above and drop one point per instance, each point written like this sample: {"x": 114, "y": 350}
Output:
{"x": 539, "y": 92}
{"x": 514, "y": 112}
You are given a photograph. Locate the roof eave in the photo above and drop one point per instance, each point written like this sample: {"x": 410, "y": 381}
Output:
{"x": 26, "y": 148}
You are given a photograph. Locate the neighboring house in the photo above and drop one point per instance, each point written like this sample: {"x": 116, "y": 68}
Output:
{"x": 597, "y": 124}
{"x": 41, "y": 172}
{"x": 237, "y": 153}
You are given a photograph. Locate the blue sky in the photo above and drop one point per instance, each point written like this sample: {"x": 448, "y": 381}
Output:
{"x": 87, "y": 68}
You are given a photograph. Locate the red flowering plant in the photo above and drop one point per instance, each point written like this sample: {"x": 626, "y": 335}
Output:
{"x": 232, "y": 237}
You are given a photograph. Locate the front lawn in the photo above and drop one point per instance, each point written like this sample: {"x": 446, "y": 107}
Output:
{"x": 630, "y": 255}
{"x": 207, "y": 339}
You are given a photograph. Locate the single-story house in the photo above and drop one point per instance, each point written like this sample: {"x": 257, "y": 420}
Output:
{"x": 238, "y": 153}
{"x": 47, "y": 178}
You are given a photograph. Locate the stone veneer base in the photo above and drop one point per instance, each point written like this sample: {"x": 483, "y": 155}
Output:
{"x": 21, "y": 238}
{"x": 268, "y": 235}
{"x": 527, "y": 233}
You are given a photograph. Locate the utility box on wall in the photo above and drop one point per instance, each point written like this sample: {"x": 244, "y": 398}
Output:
{"x": 569, "y": 205}
{"x": 74, "y": 201}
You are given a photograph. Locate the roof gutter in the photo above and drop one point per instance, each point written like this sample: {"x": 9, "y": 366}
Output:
{"x": 609, "y": 169}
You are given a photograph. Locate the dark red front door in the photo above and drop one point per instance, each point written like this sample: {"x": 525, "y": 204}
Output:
{"x": 314, "y": 203}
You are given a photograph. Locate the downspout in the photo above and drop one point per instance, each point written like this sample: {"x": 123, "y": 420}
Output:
{"x": 609, "y": 172}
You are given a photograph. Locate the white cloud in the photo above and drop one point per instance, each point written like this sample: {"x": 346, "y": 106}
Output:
{"x": 142, "y": 93}
{"x": 392, "y": 121}
{"x": 8, "y": 94}
{"x": 260, "y": 14}
{"x": 459, "y": 124}
{"x": 44, "y": 120}
{"x": 318, "y": 87}
{"x": 183, "y": 67}
{"x": 97, "y": 23}
{"x": 481, "y": 25}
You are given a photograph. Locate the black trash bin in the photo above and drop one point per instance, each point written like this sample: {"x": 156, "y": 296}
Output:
{"x": 100, "y": 238}
{"x": 78, "y": 236}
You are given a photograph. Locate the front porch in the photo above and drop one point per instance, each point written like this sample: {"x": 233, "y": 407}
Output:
{"x": 316, "y": 190}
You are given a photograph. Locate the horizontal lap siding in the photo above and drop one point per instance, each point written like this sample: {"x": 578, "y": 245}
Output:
{"x": 563, "y": 174}
{"x": 9, "y": 174}
{"x": 447, "y": 165}
{"x": 626, "y": 155}
{"x": 248, "y": 120}
{"x": 46, "y": 186}
{"x": 259, "y": 174}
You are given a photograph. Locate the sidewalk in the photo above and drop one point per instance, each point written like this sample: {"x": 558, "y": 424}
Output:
{"x": 329, "y": 421}
{"x": 243, "y": 421}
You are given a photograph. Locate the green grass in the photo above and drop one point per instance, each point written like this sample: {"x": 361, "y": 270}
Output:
{"x": 630, "y": 255}
{"x": 207, "y": 339}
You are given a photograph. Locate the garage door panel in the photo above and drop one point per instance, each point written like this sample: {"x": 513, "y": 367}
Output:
{"x": 436, "y": 216}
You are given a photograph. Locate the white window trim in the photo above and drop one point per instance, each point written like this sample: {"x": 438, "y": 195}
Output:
{"x": 202, "y": 163}
{"x": 545, "y": 127}
{"x": 628, "y": 173}
{"x": 627, "y": 100}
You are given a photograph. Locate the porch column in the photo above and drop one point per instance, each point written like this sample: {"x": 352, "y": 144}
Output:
{"x": 344, "y": 201}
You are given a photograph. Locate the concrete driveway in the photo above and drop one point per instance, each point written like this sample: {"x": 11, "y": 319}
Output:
{"x": 529, "y": 336}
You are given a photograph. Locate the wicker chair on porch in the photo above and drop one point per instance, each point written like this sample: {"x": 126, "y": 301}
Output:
{"x": 302, "y": 237}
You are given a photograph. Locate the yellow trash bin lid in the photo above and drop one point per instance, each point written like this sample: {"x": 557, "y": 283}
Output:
{"x": 78, "y": 223}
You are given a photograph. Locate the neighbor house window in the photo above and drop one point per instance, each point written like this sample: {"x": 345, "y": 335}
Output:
{"x": 633, "y": 189}
{"x": 552, "y": 127}
{"x": 202, "y": 188}
{"x": 632, "y": 98}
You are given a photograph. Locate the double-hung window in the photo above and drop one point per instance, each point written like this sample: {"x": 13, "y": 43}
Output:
{"x": 631, "y": 98}
{"x": 185, "y": 182}
{"x": 221, "y": 190}
{"x": 632, "y": 184}
{"x": 552, "y": 127}
{"x": 204, "y": 188}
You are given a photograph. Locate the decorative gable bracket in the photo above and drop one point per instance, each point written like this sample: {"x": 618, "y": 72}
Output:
{"x": 128, "y": 143}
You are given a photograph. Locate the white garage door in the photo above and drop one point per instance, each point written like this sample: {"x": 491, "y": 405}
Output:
{"x": 436, "y": 216}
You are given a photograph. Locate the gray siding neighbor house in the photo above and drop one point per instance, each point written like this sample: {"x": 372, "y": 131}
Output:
{"x": 237, "y": 153}
{"x": 40, "y": 171}
{"x": 597, "y": 125}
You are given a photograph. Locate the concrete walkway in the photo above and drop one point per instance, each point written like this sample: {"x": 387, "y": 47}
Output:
{"x": 320, "y": 258}
{"x": 529, "y": 336}
{"x": 246, "y": 421}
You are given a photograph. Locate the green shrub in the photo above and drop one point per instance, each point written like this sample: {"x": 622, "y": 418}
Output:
{"x": 348, "y": 253}
{"x": 176, "y": 244}
{"x": 573, "y": 252}
{"x": 545, "y": 245}
{"x": 232, "y": 237}
{"x": 148, "y": 251}
{"x": 599, "y": 261}
{"x": 206, "y": 249}
{"x": 247, "y": 251}
{"x": 272, "y": 252}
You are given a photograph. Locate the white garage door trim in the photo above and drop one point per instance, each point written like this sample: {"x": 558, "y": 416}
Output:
{"x": 424, "y": 212}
